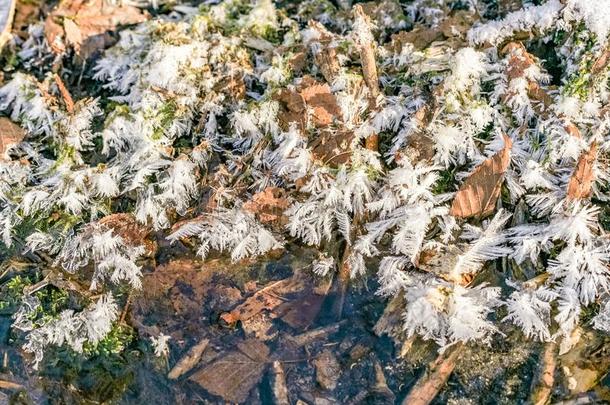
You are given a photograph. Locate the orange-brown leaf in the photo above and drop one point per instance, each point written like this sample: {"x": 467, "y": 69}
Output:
{"x": 480, "y": 191}
{"x": 84, "y": 25}
{"x": 268, "y": 205}
{"x": 130, "y": 230}
{"x": 309, "y": 94}
{"x": 10, "y": 134}
{"x": 582, "y": 179}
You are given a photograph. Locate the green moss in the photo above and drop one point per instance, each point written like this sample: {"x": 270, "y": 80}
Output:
{"x": 103, "y": 372}
{"x": 445, "y": 182}
{"x": 12, "y": 291}
{"x": 119, "y": 338}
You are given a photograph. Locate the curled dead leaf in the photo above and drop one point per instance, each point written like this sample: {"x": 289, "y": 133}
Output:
{"x": 582, "y": 179}
{"x": 480, "y": 191}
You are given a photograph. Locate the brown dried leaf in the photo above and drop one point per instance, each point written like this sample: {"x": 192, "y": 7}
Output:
{"x": 309, "y": 94}
{"x": 69, "y": 102}
{"x": 26, "y": 13}
{"x": 268, "y": 205}
{"x": 133, "y": 233}
{"x": 601, "y": 63}
{"x": 234, "y": 374}
{"x": 10, "y": 135}
{"x": 582, "y": 179}
{"x": 326, "y": 57}
{"x": 296, "y": 300}
{"x": 480, "y": 191}
{"x": 332, "y": 147}
{"x": 323, "y": 102}
{"x": 420, "y": 37}
{"x": 85, "y": 25}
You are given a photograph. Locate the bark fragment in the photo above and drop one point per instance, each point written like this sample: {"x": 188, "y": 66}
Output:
{"x": 430, "y": 384}
{"x": 279, "y": 388}
{"x": 233, "y": 375}
{"x": 189, "y": 360}
{"x": 541, "y": 391}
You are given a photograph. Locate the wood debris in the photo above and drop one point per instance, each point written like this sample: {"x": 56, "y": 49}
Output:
{"x": 480, "y": 191}
{"x": 315, "y": 334}
{"x": 189, "y": 360}
{"x": 543, "y": 385}
{"x": 328, "y": 370}
{"x": 430, "y": 384}
{"x": 278, "y": 384}
{"x": 234, "y": 374}
{"x": 7, "y": 13}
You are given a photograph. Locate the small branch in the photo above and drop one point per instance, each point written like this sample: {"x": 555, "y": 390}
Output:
{"x": 367, "y": 54}
{"x": 280, "y": 390}
{"x": 315, "y": 334}
{"x": 64, "y": 93}
{"x": 430, "y": 384}
{"x": 189, "y": 360}
{"x": 9, "y": 385}
{"x": 541, "y": 390}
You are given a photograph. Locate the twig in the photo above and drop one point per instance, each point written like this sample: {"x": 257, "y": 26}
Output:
{"x": 430, "y": 384}
{"x": 541, "y": 390}
{"x": 189, "y": 360}
{"x": 9, "y": 385}
{"x": 64, "y": 93}
{"x": 369, "y": 72}
{"x": 312, "y": 335}
{"x": 280, "y": 390}
{"x": 125, "y": 309}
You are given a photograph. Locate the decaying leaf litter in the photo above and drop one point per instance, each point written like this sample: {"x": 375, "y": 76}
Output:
{"x": 432, "y": 143}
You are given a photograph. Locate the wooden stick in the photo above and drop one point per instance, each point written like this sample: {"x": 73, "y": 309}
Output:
{"x": 430, "y": 384}
{"x": 312, "y": 335}
{"x": 7, "y": 12}
{"x": 9, "y": 385}
{"x": 280, "y": 390}
{"x": 190, "y": 359}
{"x": 543, "y": 385}
{"x": 64, "y": 93}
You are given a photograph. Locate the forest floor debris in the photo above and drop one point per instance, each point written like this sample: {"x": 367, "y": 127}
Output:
{"x": 248, "y": 189}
